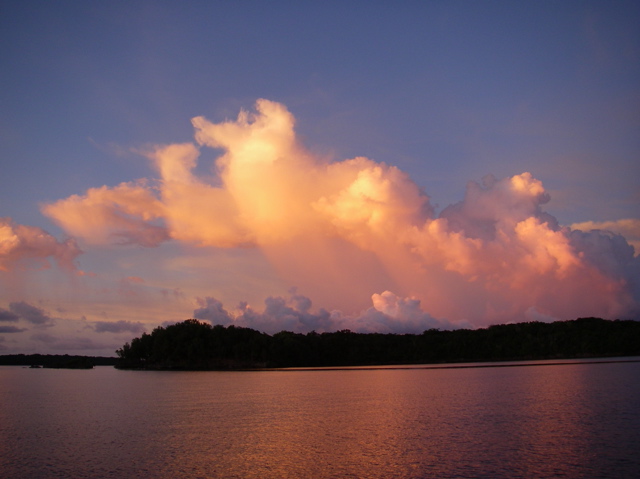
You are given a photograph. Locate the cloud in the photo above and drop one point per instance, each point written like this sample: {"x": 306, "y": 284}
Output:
{"x": 213, "y": 311}
{"x": 6, "y": 315}
{"x": 71, "y": 343}
{"x": 122, "y": 215}
{"x": 11, "y": 329}
{"x": 31, "y": 314}
{"x": 532, "y": 315}
{"x": 629, "y": 228}
{"x": 119, "y": 327}
{"x": 389, "y": 314}
{"x": 30, "y": 247}
{"x": 44, "y": 338}
{"x": 346, "y": 230}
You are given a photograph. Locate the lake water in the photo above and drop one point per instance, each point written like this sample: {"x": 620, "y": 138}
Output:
{"x": 573, "y": 421}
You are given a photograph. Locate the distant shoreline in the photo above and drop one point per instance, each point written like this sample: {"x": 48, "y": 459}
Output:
{"x": 194, "y": 345}
{"x": 373, "y": 367}
{"x": 56, "y": 361}
{"x": 480, "y": 364}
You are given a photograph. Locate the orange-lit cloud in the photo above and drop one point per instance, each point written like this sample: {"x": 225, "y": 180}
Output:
{"x": 350, "y": 232}
{"x": 26, "y": 247}
{"x": 123, "y": 214}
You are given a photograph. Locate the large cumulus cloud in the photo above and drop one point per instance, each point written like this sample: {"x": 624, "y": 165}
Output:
{"x": 358, "y": 228}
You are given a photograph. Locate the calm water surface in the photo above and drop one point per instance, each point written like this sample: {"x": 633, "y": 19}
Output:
{"x": 571, "y": 421}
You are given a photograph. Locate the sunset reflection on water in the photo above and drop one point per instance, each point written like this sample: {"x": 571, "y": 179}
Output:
{"x": 577, "y": 420}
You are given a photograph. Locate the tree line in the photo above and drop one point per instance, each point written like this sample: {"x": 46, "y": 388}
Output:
{"x": 196, "y": 345}
{"x": 56, "y": 361}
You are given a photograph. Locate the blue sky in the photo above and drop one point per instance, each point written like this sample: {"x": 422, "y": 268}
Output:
{"x": 447, "y": 92}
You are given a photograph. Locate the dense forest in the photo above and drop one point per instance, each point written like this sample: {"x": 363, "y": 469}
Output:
{"x": 56, "y": 361}
{"x": 196, "y": 345}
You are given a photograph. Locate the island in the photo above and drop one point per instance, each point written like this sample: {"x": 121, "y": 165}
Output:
{"x": 198, "y": 345}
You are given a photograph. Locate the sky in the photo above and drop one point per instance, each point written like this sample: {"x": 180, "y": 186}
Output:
{"x": 372, "y": 166}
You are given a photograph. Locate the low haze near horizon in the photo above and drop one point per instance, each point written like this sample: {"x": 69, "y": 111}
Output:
{"x": 314, "y": 166}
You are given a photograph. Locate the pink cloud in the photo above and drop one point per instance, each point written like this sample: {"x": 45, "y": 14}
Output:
{"x": 29, "y": 247}
{"x": 123, "y": 214}
{"x": 345, "y": 230}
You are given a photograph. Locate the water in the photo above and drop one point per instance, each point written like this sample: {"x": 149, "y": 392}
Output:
{"x": 571, "y": 421}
